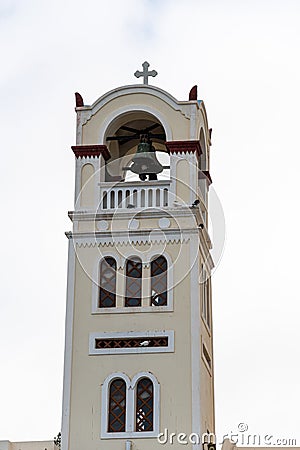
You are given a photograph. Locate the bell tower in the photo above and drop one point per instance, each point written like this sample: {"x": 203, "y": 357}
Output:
{"x": 138, "y": 352}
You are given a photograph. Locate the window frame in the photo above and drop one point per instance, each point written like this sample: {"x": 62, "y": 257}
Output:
{"x": 104, "y": 259}
{"x": 165, "y": 275}
{"x": 131, "y": 334}
{"x": 111, "y": 410}
{"x": 130, "y": 417}
{"x": 148, "y": 403}
{"x": 206, "y": 300}
{"x": 204, "y": 355}
{"x": 145, "y": 307}
{"x": 128, "y": 284}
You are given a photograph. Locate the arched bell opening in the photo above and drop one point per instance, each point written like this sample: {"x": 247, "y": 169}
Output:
{"x": 136, "y": 142}
{"x": 203, "y": 157}
{"x": 202, "y": 178}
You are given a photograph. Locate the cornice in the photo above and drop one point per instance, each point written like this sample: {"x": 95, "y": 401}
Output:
{"x": 170, "y": 212}
{"x": 117, "y": 238}
{"x": 91, "y": 151}
{"x": 87, "y": 111}
{"x": 192, "y": 146}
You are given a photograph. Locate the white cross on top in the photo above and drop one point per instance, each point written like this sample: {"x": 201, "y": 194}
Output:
{"x": 145, "y": 74}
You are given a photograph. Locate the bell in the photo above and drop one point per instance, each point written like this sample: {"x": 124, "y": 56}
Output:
{"x": 145, "y": 162}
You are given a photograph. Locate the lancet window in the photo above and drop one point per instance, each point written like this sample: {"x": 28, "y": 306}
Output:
{"x": 159, "y": 281}
{"x": 107, "y": 291}
{"x": 133, "y": 282}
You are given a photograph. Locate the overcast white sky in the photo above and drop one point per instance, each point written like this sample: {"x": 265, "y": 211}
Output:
{"x": 244, "y": 56}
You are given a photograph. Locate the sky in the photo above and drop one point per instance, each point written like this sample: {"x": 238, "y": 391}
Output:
{"x": 244, "y": 57}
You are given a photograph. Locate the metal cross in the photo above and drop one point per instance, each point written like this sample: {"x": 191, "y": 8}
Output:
{"x": 145, "y": 74}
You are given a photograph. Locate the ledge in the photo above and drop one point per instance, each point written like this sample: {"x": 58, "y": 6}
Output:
{"x": 184, "y": 147}
{"x": 91, "y": 151}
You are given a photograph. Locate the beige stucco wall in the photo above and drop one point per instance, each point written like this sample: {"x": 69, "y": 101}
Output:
{"x": 29, "y": 445}
{"x": 171, "y": 369}
{"x": 180, "y": 125}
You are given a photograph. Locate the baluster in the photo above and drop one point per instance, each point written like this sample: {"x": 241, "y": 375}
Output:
{"x": 120, "y": 198}
{"x": 142, "y": 196}
{"x": 134, "y": 197}
{"x": 161, "y": 202}
{"x": 139, "y": 198}
{"x": 166, "y": 197}
{"x": 157, "y": 197}
{"x": 127, "y": 198}
{"x": 112, "y": 199}
{"x": 104, "y": 200}
{"x": 150, "y": 197}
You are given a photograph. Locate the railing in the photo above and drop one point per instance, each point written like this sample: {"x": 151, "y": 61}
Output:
{"x": 134, "y": 195}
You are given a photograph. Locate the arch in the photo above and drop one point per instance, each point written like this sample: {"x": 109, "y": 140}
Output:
{"x": 155, "y": 254}
{"x": 155, "y": 403}
{"x": 183, "y": 191}
{"x": 106, "y": 390}
{"x": 107, "y": 282}
{"x": 95, "y": 276}
{"x": 87, "y": 185}
{"x": 133, "y": 290}
{"x": 116, "y": 117}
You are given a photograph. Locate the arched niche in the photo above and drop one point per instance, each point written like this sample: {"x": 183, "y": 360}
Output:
{"x": 122, "y": 137}
{"x": 87, "y": 191}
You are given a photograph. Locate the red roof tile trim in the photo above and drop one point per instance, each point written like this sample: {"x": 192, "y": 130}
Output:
{"x": 84, "y": 151}
{"x": 184, "y": 147}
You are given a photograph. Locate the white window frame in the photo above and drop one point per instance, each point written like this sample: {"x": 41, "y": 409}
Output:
{"x": 208, "y": 367}
{"x": 130, "y": 407}
{"x": 205, "y": 299}
{"x": 132, "y": 309}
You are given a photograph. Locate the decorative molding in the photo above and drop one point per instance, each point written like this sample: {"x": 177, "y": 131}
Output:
{"x": 192, "y": 146}
{"x": 180, "y": 210}
{"x": 136, "y": 237}
{"x": 78, "y": 99}
{"x": 132, "y": 342}
{"x": 88, "y": 151}
{"x": 102, "y": 225}
{"x": 135, "y": 309}
{"x": 164, "y": 222}
{"x": 193, "y": 93}
{"x": 135, "y": 89}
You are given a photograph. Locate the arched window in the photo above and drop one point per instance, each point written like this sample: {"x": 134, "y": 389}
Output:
{"x": 159, "y": 281}
{"x": 117, "y": 406}
{"x": 107, "y": 292}
{"x": 144, "y": 405}
{"x": 133, "y": 282}
{"x": 130, "y": 408}
{"x": 205, "y": 296}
